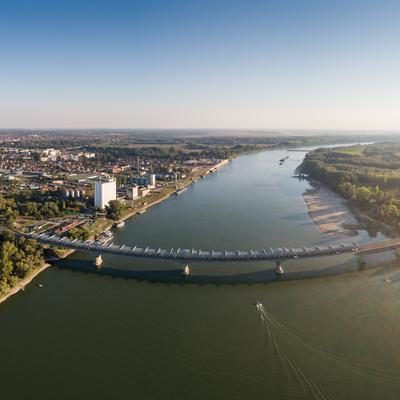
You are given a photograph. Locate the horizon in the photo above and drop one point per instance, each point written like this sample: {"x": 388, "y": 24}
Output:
{"x": 210, "y": 131}
{"x": 247, "y": 65}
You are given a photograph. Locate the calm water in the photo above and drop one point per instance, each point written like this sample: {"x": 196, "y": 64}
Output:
{"x": 86, "y": 336}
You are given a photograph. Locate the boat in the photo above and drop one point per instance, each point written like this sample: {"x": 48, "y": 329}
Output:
{"x": 185, "y": 270}
{"x": 259, "y": 306}
{"x": 120, "y": 224}
{"x": 40, "y": 285}
{"x": 104, "y": 237}
{"x": 98, "y": 261}
{"x": 282, "y": 160}
{"x": 180, "y": 191}
{"x": 140, "y": 212}
{"x": 278, "y": 268}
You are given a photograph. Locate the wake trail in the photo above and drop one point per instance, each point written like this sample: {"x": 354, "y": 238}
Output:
{"x": 310, "y": 384}
{"x": 320, "y": 350}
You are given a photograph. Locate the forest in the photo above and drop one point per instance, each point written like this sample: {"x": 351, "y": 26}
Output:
{"x": 18, "y": 257}
{"x": 367, "y": 175}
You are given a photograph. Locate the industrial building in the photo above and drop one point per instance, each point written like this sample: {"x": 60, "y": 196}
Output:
{"x": 149, "y": 180}
{"x": 105, "y": 190}
{"x": 132, "y": 192}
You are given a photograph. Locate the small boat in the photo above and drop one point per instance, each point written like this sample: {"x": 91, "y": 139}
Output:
{"x": 185, "y": 270}
{"x": 40, "y": 285}
{"x": 120, "y": 224}
{"x": 259, "y": 306}
{"x": 180, "y": 191}
{"x": 278, "y": 268}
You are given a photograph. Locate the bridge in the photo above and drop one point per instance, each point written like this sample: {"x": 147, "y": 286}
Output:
{"x": 193, "y": 254}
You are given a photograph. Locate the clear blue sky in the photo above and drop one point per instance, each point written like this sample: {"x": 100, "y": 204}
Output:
{"x": 200, "y": 64}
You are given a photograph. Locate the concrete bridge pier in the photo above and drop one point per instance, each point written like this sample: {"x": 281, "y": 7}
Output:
{"x": 98, "y": 261}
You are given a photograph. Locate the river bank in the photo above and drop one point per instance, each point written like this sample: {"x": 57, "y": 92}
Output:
{"x": 153, "y": 199}
{"x": 329, "y": 211}
{"x": 159, "y": 196}
{"x": 24, "y": 282}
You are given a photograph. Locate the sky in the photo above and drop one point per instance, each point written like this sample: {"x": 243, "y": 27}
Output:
{"x": 231, "y": 64}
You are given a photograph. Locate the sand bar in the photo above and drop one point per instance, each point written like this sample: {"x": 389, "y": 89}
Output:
{"x": 328, "y": 210}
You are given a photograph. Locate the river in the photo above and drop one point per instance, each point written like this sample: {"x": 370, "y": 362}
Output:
{"x": 86, "y": 336}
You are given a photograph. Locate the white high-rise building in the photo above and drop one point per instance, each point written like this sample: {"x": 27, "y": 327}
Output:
{"x": 105, "y": 190}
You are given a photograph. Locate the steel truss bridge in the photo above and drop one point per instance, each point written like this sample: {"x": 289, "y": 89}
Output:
{"x": 193, "y": 254}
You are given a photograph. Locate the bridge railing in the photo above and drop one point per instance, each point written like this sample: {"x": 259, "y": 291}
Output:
{"x": 193, "y": 254}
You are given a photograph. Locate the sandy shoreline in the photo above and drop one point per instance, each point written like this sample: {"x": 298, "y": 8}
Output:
{"x": 21, "y": 284}
{"x": 328, "y": 211}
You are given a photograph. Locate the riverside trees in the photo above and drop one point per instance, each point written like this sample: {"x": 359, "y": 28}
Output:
{"x": 18, "y": 257}
{"x": 367, "y": 175}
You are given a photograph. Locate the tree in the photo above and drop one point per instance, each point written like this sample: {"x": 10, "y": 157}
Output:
{"x": 363, "y": 194}
{"x": 115, "y": 209}
{"x": 50, "y": 209}
{"x": 17, "y": 257}
{"x": 31, "y": 208}
{"x": 347, "y": 189}
{"x": 80, "y": 233}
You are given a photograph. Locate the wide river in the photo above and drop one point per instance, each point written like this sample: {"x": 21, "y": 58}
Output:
{"x": 90, "y": 336}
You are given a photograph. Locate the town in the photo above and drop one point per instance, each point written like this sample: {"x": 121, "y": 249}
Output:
{"x": 75, "y": 190}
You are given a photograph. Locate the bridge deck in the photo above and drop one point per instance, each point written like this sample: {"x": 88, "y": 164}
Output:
{"x": 195, "y": 254}
{"x": 376, "y": 247}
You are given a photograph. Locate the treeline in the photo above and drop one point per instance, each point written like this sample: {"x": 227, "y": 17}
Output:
{"x": 111, "y": 154}
{"x": 18, "y": 257}
{"x": 10, "y": 208}
{"x": 367, "y": 175}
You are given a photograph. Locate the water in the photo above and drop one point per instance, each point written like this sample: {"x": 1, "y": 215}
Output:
{"x": 87, "y": 336}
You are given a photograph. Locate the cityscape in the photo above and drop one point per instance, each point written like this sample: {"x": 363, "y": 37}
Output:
{"x": 199, "y": 200}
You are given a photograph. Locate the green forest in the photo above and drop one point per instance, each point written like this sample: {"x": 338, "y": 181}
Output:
{"x": 367, "y": 175}
{"x": 18, "y": 257}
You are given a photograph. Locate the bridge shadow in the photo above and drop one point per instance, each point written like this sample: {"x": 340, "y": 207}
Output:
{"x": 174, "y": 276}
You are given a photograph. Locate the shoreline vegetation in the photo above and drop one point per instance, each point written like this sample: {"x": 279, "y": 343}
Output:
{"x": 21, "y": 260}
{"x": 367, "y": 177}
{"x": 24, "y": 282}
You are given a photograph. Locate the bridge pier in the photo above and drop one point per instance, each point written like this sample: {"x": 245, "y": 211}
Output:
{"x": 98, "y": 261}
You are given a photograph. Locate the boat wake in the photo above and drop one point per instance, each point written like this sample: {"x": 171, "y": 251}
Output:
{"x": 375, "y": 375}
{"x": 312, "y": 387}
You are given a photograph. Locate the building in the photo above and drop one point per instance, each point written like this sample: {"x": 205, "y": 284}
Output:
{"x": 149, "y": 180}
{"x": 143, "y": 191}
{"x": 132, "y": 192}
{"x": 105, "y": 190}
